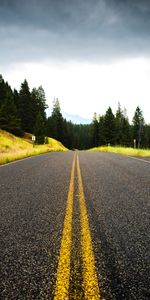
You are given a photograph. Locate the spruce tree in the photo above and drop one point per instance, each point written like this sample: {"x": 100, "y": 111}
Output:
{"x": 39, "y": 130}
{"x": 39, "y": 102}
{"x": 57, "y": 120}
{"x": 95, "y": 130}
{"x": 109, "y": 127}
{"x": 9, "y": 120}
{"x": 119, "y": 125}
{"x": 3, "y": 90}
{"x": 102, "y": 139}
{"x": 146, "y": 137}
{"x": 16, "y": 99}
{"x": 138, "y": 126}
{"x": 26, "y": 108}
{"x": 126, "y": 130}
{"x": 122, "y": 132}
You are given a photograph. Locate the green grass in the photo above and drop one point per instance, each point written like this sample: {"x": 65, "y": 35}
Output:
{"x": 123, "y": 151}
{"x": 13, "y": 148}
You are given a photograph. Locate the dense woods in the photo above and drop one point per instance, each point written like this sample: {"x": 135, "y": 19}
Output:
{"x": 25, "y": 111}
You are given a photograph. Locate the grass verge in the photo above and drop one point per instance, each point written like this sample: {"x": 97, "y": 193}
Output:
{"x": 13, "y": 148}
{"x": 123, "y": 151}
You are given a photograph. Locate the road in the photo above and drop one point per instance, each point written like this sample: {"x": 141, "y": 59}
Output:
{"x": 75, "y": 226}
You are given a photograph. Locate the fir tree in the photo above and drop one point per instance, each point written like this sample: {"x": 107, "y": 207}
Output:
{"x": 102, "y": 139}
{"x": 95, "y": 130}
{"x": 9, "y": 120}
{"x": 138, "y": 126}
{"x": 39, "y": 102}
{"x": 109, "y": 127}
{"x": 57, "y": 121}
{"x": 2, "y": 90}
{"x": 122, "y": 132}
{"x": 26, "y": 109}
{"x": 39, "y": 130}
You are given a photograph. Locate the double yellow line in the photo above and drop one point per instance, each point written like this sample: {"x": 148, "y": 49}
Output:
{"x": 90, "y": 281}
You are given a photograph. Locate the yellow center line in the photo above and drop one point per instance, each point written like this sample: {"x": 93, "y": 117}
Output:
{"x": 63, "y": 271}
{"x": 90, "y": 280}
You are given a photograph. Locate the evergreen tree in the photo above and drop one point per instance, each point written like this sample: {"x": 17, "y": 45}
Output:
{"x": 51, "y": 127}
{"x": 3, "y": 90}
{"x": 146, "y": 137}
{"x": 95, "y": 129}
{"x": 126, "y": 129}
{"x": 119, "y": 125}
{"x": 16, "y": 99}
{"x": 26, "y": 108}
{"x": 9, "y": 120}
{"x": 57, "y": 122}
{"x": 138, "y": 126}
{"x": 102, "y": 139}
{"x": 123, "y": 133}
{"x": 109, "y": 127}
{"x": 39, "y": 102}
{"x": 39, "y": 130}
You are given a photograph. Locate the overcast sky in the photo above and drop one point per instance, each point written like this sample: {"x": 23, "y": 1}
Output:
{"x": 88, "y": 53}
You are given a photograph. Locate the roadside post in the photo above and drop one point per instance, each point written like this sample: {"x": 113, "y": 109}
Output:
{"x": 134, "y": 143}
{"x": 33, "y": 139}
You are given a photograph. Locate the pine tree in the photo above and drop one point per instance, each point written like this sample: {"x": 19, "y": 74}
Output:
{"x": 16, "y": 99}
{"x": 119, "y": 125}
{"x": 138, "y": 126}
{"x": 57, "y": 120}
{"x": 95, "y": 131}
{"x": 146, "y": 137}
{"x": 109, "y": 127}
{"x": 39, "y": 102}
{"x": 102, "y": 139}
{"x": 9, "y": 120}
{"x": 123, "y": 134}
{"x": 2, "y": 90}
{"x": 26, "y": 108}
{"x": 39, "y": 130}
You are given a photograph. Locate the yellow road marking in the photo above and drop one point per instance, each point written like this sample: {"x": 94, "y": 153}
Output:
{"x": 90, "y": 280}
{"x": 63, "y": 271}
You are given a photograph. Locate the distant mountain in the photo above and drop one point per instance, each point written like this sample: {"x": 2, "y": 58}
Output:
{"x": 76, "y": 119}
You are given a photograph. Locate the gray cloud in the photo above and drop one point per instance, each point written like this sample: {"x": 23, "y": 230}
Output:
{"x": 81, "y": 29}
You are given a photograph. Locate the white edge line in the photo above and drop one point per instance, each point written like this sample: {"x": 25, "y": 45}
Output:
{"x": 15, "y": 161}
{"x": 139, "y": 159}
{"x": 21, "y": 159}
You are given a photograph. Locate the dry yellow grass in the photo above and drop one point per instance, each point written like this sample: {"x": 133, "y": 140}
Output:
{"x": 13, "y": 148}
{"x": 123, "y": 151}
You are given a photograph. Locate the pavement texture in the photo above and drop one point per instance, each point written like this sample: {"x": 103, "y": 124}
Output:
{"x": 33, "y": 199}
{"x": 117, "y": 191}
{"x": 33, "y": 196}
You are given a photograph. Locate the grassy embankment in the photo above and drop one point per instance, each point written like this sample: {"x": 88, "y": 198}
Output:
{"x": 13, "y": 148}
{"x": 123, "y": 151}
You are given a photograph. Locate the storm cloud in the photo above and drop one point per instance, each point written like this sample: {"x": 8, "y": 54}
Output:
{"x": 90, "y": 30}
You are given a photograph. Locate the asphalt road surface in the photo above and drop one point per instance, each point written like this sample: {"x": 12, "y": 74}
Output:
{"x": 75, "y": 226}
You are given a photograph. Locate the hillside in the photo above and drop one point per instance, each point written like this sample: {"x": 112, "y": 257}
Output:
{"x": 13, "y": 148}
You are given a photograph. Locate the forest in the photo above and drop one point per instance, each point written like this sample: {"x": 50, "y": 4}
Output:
{"x": 25, "y": 111}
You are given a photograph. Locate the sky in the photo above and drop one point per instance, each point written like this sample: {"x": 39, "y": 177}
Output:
{"x": 90, "y": 54}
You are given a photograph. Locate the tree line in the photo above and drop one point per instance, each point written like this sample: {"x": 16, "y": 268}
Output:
{"x": 25, "y": 111}
{"x": 115, "y": 129}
